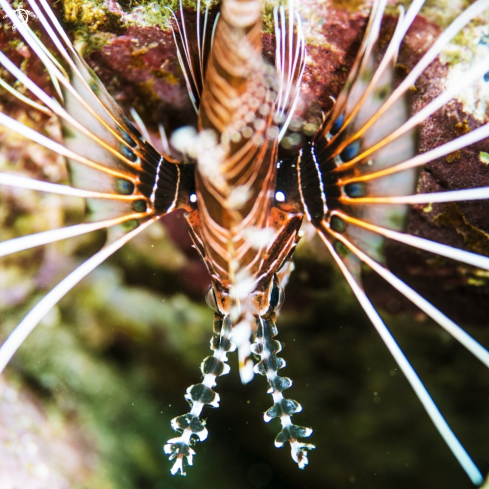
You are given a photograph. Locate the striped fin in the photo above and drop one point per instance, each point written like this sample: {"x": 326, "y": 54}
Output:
{"x": 351, "y": 254}
{"x": 368, "y": 153}
{"x": 127, "y": 184}
{"x": 357, "y": 178}
{"x": 333, "y": 149}
{"x": 26, "y": 326}
{"x": 289, "y": 62}
{"x": 193, "y": 41}
{"x": 111, "y": 157}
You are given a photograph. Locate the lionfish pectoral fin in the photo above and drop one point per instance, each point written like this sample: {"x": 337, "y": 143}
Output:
{"x": 350, "y": 244}
{"x": 357, "y": 178}
{"x": 190, "y": 425}
{"x": 127, "y": 184}
{"x": 25, "y": 327}
{"x": 340, "y": 124}
{"x": 266, "y": 348}
{"x": 343, "y": 258}
{"x": 104, "y": 151}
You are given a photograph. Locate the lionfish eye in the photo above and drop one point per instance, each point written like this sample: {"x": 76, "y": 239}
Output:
{"x": 279, "y": 196}
{"x": 276, "y": 297}
{"x": 210, "y": 298}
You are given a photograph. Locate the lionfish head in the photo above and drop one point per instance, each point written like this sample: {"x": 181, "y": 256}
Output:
{"x": 238, "y": 226}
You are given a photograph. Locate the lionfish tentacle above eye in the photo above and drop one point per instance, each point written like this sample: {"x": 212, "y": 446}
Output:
{"x": 359, "y": 173}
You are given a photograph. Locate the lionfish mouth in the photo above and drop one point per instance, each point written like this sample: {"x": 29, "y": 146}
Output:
{"x": 254, "y": 170}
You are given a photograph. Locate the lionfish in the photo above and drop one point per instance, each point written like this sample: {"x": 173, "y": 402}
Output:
{"x": 245, "y": 199}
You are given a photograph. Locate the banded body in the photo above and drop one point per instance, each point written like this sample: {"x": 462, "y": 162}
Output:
{"x": 352, "y": 181}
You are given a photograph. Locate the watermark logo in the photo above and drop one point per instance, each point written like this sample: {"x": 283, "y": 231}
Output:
{"x": 23, "y": 15}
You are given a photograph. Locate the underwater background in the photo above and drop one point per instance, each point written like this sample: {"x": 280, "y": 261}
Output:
{"x": 87, "y": 401}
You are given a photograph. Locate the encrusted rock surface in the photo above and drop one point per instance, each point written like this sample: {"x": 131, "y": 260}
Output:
{"x": 39, "y": 449}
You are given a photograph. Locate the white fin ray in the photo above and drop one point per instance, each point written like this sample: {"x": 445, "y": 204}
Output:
{"x": 45, "y": 50}
{"x": 23, "y": 98}
{"x": 35, "y": 44}
{"x": 448, "y": 325}
{"x": 463, "y": 256}
{"x": 355, "y": 104}
{"x": 35, "y": 136}
{"x": 27, "y": 325}
{"x": 164, "y": 141}
{"x": 404, "y": 23}
{"x": 52, "y": 75}
{"x": 140, "y": 124}
{"x": 96, "y": 176}
{"x": 55, "y": 188}
{"x": 473, "y": 75}
{"x": 448, "y": 34}
{"x": 481, "y": 193}
{"x": 185, "y": 41}
{"x": 103, "y": 115}
{"x": 290, "y": 63}
{"x": 456, "y": 144}
{"x": 370, "y": 36}
{"x": 32, "y": 240}
{"x": 78, "y": 66}
{"x": 423, "y": 395}
{"x": 57, "y": 109}
{"x": 194, "y": 76}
